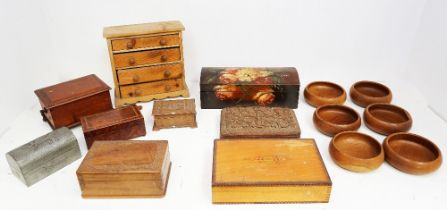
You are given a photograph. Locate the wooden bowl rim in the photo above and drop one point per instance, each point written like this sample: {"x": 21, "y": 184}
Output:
{"x": 373, "y": 84}
{"x": 328, "y": 84}
{"x": 372, "y": 139}
{"x": 407, "y": 114}
{"x": 339, "y": 107}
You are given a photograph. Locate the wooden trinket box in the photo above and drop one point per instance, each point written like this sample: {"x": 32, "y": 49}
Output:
{"x": 116, "y": 124}
{"x": 174, "y": 114}
{"x": 223, "y": 87}
{"x": 269, "y": 171}
{"x": 64, "y": 103}
{"x": 258, "y": 122}
{"x": 125, "y": 169}
{"x": 147, "y": 61}
{"x": 43, "y": 156}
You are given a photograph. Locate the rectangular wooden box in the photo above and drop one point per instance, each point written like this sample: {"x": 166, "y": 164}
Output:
{"x": 269, "y": 171}
{"x": 43, "y": 156}
{"x": 116, "y": 124}
{"x": 244, "y": 86}
{"x": 258, "y": 122}
{"x": 64, "y": 103}
{"x": 147, "y": 61}
{"x": 123, "y": 169}
{"x": 174, "y": 114}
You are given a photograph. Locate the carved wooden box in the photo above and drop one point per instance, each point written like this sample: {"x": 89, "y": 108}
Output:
{"x": 222, "y": 87}
{"x": 43, "y": 156}
{"x": 116, "y": 124}
{"x": 269, "y": 171}
{"x": 174, "y": 114}
{"x": 125, "y": 169}
{"x": 147, "y": 61}
{"x": 258, "y": 122}
{"x": 64, "y": 103}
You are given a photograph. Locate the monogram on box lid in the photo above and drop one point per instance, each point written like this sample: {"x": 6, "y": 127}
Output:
{"x": 64, "y": 103}
{"x": 125, "y": 169}
{"x": 174, "y": 114}
{"x": 261, "y": 86}
{"x": 269, "y": 171}
{"x": 43, "y": 156}
{"x": 116, "y": 124}
{"x": 258, "y": 122}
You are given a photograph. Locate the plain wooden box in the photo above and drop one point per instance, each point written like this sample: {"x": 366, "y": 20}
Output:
{"x": 125, "y": 169}
{"x": 269, "y": 171}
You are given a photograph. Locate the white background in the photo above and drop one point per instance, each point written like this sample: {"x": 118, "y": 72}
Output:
{"x": 402, "y": 43}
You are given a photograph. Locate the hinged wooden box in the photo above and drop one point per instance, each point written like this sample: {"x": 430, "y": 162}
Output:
{"x": 147, "y": 61}
{"x": 43, "y": 156}
{"x": 64, "y": 103}
{"x": 258, "y": 122}
{"x": 269, "y": 171}
{"x": 125, "y": 169}
{"x": 222, "y": 87}
{"x": 117, "y": 124}
{"x": 174, "y": 114}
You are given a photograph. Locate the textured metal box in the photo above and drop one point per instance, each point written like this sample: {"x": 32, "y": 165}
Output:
{"x": 43, "y": 156}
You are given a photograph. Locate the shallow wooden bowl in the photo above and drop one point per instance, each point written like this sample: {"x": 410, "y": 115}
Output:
{"x": 356, "y": 151}
{"x": 323, "y": 93}
{"x": 333, "y": 119}
{"x": 387, "y": 118}
{"x": 412, "y": 153}
{"x": 364, "y": 93}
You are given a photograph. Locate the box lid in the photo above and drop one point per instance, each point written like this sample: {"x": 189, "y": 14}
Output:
{"x": 112, "y": 117}
{"x": 69, "y": 91}
{"x": 174, "y": 107}
{"x": 125, "y": 157}
{"x": 249, "y": 162}
{"x": 142, "y": 29}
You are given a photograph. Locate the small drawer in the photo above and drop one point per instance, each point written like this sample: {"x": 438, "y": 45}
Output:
{"x": 146, "y": 42}
{"x": 151, "y": 88}
{"x": 147, "y": 57}
{"x": 150, "y": 73}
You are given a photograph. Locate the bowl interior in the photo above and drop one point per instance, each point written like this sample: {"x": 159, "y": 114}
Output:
{"x": 413, "y": 148}
{"x": 372, "y": 89}
{"x": 388, "y": 113}
{"x": 338, "y": 115}
{"x": 357, "y": 145}
{"x": 325, "y": 89}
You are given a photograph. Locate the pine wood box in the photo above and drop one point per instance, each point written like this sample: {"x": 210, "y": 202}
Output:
{"x": 43, "y": 156}
{"x": 258, "y": 122}
{"x": 247, "y": 86}
{"x": 64, "y": 103}
{"x": 125, "y": 169}
{"x": 174, "y": 114}
{"x": 269, "y": 171}
{"x": 116, "y": 124}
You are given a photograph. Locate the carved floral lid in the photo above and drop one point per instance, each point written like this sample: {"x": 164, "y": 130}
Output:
{"x": 174, "y": 107}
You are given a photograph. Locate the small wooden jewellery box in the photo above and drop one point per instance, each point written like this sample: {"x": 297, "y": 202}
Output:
{"x": 64, "y": 103}
{"x": 269, "y": 171}
{"x": 125, "y": 169}
{"x": 117, "y": 124}
{"x": 43, "y": 156}
{"x": 174, "y": 114}
{"x": 258, "y": 122}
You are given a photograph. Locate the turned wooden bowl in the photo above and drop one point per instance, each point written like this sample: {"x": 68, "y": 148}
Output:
{"x": 387, "y": 118}
{"x": 412, "y": 153}
{"x": 333, "y": 119}
{"x": 356, "y": 151}
{"x": 364, "y": 93}
{"x": 321, "y": 93}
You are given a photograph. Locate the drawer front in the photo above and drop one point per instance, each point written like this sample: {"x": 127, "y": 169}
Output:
{"x": 150, "y": 73}
{"x": 151, "y": 88}
{"x": 146, "y": 42}
{"x": 147, "y": 57}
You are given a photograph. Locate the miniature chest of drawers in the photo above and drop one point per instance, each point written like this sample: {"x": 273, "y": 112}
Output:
{"x": 147, "y": 61}
{"x": 174, "y": 114}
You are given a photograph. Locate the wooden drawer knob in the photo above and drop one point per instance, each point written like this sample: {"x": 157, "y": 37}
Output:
{"x": 167, "y": 73}
{"x": 138, "y": 92}
{"x": 164, "y": 58}
{"x": 131, "y": 43}
{"x": 167, "y": 88}
{"x": 135, "y": 78}
{"x": 163, "y": 42}
{"x": 131, "y": 61}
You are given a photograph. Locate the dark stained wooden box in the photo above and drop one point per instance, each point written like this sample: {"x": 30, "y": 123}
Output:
{"x": 118, "y": 124}
{"x": 64, "y": 103}
{"x": 222, "y": 87}
{"x": 174, "y": 114}
{"x": 125, "y": 169}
